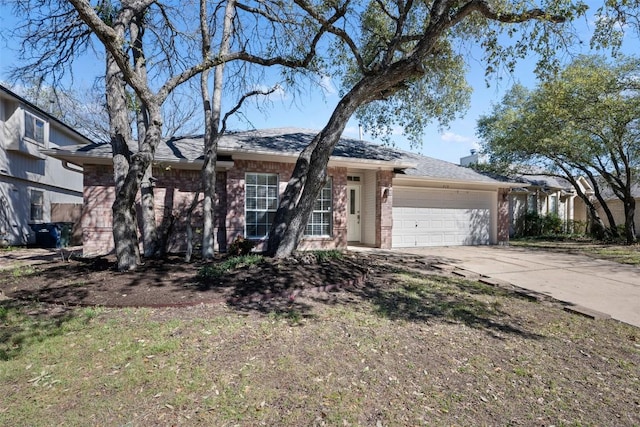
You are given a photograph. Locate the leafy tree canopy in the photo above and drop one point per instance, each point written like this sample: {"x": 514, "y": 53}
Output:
{"x": 585, "y": 120}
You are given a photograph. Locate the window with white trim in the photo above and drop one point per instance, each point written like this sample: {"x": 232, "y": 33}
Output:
{"x": 37, "y": 205}
{"x": 33, "y": 128}
{"x": 320, "y": 220}
{"x": 261, "y": 203}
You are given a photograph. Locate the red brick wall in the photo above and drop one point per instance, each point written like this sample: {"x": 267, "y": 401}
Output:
{"x": 384, "y": 209}
{"x": 97, "y": 218}
{"x": 174, "y": 190}
{"x": 235, "y": 198}
{"x": 503, "y": 216}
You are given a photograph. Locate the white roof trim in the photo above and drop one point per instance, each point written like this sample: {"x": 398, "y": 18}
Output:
{"x": 407, "y": 180}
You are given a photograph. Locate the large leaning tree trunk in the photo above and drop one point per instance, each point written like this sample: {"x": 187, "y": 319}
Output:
{"x": 310, "y": 171}
{"x": 392, "y": 66}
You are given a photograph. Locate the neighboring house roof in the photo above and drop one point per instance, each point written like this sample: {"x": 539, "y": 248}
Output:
{"x": 608, "y": 194}
{"x": 534, "y": 177}
{"x": 44, "y": 113}
{"x": 546, "y": 181}
{"x": 285, "y": 144}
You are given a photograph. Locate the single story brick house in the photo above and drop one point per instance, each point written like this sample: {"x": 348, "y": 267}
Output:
{"x": 376, "y": 196}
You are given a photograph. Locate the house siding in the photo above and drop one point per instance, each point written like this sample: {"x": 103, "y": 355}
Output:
{"x": 24, "y": 168}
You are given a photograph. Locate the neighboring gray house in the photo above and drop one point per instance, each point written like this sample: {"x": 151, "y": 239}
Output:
{"x": 34, "y": 188}
{"x": 375, "y": 196}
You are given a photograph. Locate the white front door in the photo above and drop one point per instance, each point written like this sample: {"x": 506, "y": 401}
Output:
{"x": 353, "y": 213}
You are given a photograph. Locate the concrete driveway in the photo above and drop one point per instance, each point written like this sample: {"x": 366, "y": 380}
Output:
{"x": 603, "y": 286}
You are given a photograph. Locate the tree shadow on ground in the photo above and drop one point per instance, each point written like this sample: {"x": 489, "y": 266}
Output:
{"x": 431, "y": 298}
{"x": 274, "y": 286}
{"x": 23, "y": 323}
{"x": 397, "y": 286}
{"x": 406, "y": 288}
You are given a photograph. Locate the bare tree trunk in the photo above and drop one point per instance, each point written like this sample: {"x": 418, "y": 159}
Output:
{"x": 189, "y": 251}
{"x": 150, "y": 242}
{"x": 212, "y": 122}
{"x": 124, "y": 222}
{"x": 207, "y": 173}
{"x": 629, "y": 214}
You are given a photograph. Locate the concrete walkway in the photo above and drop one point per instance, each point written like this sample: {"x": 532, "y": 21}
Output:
{"x": 600, "y": 285}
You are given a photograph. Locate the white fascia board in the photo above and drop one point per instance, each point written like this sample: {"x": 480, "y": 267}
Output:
{"x": 292, "y": 157}
{"x": 77, "y": 159}
{"x": 428, "y": 182}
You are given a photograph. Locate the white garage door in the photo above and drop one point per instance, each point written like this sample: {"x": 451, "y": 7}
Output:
{"x": 424, "y": 217}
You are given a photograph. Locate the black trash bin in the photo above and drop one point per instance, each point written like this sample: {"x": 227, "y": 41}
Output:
{"x": 47, "y": 235}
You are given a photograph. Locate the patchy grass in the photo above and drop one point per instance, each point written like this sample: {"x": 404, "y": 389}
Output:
{"x": 22, "y": 271}
{"x": 218, "y": 269}
{"x": 624, "y": 254}
{"x": 406, "y": 349}
{"x": 328, "y": 254}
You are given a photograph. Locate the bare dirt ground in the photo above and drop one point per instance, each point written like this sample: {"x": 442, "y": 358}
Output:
{"x": 62, "y": 278}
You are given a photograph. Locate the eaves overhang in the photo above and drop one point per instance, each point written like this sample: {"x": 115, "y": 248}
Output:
{"x": 80, "y": 159}
{"x": 334, "y": 161}
{"x": 436, "y": 182}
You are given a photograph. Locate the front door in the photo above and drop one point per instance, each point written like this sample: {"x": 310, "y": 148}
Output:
{"x": 353, "y": 213}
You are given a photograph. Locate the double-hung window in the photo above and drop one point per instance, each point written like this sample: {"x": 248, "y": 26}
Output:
{"x": 37, "y": 205}
{"x": 261, "y": 203}
{"x": 33, "y": 128}
{"x": 320, "y": 219}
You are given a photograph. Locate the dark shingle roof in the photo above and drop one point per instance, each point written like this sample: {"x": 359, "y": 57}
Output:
{"x": 292, "y": 141}
{"x": 554, "y": 182}
{"x": 440, "y": 169}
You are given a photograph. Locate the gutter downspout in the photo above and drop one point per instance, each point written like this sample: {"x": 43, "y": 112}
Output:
{"x": 65, "y": 164}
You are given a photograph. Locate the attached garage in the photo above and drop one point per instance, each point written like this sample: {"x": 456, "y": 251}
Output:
{"x": 442, "y": 217}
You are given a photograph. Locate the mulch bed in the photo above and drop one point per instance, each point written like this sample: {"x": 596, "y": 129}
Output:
{"x": 171, "y": 282}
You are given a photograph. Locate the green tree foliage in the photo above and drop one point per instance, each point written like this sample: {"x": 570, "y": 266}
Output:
{"x": 584, "y": 121}
{"x": 401, "y": 64}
